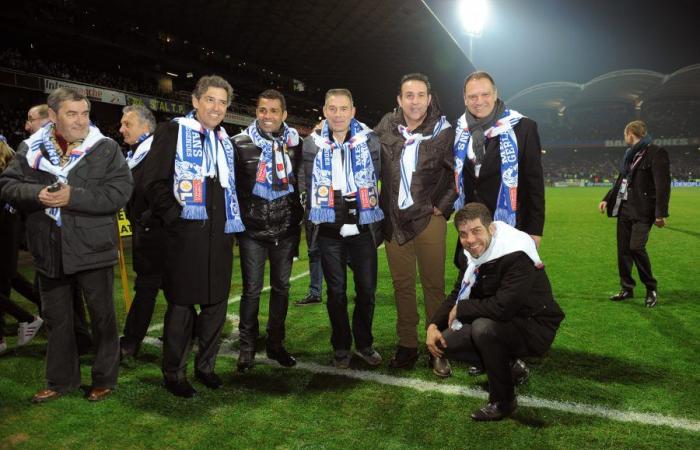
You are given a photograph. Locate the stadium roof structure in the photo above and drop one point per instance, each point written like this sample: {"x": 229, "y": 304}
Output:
{"x": 363, "y": 45}
{"x": 630, "y": 87}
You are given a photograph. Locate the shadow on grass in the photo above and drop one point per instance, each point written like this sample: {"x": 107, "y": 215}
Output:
{"x": 599, "y": 368}
{"x": 694, "y": 234}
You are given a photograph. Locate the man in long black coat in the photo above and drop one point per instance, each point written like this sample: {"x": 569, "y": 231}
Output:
{"x": 191, "y": 190}
{"x": 639, "y": 198}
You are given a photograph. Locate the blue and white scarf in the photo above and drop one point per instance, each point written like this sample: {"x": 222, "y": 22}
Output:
{"x": 506, "y": 204}
{"x": 274, "y": 177}
{"x": 409, "y": 158}
{"x": 203, "y": 153}
{"x": 133, "y": 158}
{"x": 504, "y": 241}
{"x": 354, "y": 174}
{"x": 52, "y": 165}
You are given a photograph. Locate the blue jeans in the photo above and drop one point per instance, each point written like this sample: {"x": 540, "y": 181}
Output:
{"x": 253, "y": 255}
{"x": 315, "y": 270}
{"x": 335, "y": 254}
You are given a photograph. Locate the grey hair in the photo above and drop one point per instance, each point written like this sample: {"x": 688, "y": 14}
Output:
{"x": 145, "y": 115}
{"x": 216, "y": 81}
{"x": 62, "y": 94}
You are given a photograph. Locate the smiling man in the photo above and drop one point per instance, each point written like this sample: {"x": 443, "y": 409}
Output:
{"x": 191, "y": 189}
{"x": 70, "y": 181}
{"x": 498, "y": 162}
{"x": 417, "y": 197}
{"x": 272, "y": 215}
{"x": 341, "y": 167}
{"x": 501, "y": 308}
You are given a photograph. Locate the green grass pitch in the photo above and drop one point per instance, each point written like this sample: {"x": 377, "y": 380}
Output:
{"x": 610, "y": 356}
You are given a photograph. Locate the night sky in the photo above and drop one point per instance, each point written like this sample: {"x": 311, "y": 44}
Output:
{"x": 526, "y": 42}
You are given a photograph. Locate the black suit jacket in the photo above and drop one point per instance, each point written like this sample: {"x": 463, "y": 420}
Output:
{"x": 508, "y": 289}
{"x": 530, "y": 200}
{"x": 648, "y": 187}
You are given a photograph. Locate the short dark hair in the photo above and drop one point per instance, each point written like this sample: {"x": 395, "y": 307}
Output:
{"x": 216, "y": 81}
{"x": 339, "y": 91}
{"x": 273, "y": 94}
{"x": 478, "y": 75}
{"x": 62, "y": 94}
{"x": 473, "y": 211}
{"x": 414, "y": 77}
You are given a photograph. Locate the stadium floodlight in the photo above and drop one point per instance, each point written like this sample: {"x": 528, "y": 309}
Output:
{"x": 472, "y": 14}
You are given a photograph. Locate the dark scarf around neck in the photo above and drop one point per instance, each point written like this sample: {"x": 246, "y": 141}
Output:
{"x": 478, "y": 126}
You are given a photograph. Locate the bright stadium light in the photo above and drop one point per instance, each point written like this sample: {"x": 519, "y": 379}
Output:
{"x": 472, "y": 14}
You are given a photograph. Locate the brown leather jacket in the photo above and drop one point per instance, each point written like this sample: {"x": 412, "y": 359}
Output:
{"x": 433, "y": 182}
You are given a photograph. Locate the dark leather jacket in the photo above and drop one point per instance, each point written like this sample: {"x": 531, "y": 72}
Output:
{"x": 433, "y": 182}
{"x": 266, "y": 220}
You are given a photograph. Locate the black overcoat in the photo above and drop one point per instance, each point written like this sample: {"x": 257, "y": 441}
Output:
{"x": 199, "y": 255}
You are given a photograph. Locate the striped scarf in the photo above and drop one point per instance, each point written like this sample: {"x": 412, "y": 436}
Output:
{"x": 409, "y": 158}
{"x": 274, "y": 177}
{"x": 44, "y": 137}
{"x": 203, "y": 153}
{"x": 133, "y": 158}
{"x": 347, "y": 168}
{"x": 506, "y": 204}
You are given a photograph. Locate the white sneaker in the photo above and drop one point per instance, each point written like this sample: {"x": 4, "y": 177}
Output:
{"x": 27, "y": 330}
{"x": 370, "y": 356}
{"x": 3, "y": 346}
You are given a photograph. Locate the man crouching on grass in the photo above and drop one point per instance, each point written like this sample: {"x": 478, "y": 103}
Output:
{"x": 500, "y": 309}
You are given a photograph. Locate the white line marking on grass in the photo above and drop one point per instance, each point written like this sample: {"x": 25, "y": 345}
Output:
{"x": 235, "y": 299}
{"x": 465, "y": 391}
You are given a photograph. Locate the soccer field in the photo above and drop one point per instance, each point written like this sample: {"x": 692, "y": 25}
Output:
{"x": 619, "y": 375}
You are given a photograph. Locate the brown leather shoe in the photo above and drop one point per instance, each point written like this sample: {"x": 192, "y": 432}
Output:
{"x": 99, "y": 394}
{"x": 45, "y": 396}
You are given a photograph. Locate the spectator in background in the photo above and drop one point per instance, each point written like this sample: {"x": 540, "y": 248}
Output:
{"x": 9, "y": 245}
{"x": 148, "y": 236}
{"x": 639, "y": 199}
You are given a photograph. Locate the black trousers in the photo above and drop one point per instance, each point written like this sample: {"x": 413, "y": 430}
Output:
{"x": 335, "y": 255}
{"x": 254, "y": 253}
{"x": 57, "y": 297}
{"x": 632, "y": 237}
{"x": 148, "y": 259}
{"x": 495, "y": 345}
{"x": 13, "y": 309}
{"x": 182, "y": 323}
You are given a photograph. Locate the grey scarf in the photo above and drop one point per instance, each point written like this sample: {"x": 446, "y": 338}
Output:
{"x": 477, "y": 127}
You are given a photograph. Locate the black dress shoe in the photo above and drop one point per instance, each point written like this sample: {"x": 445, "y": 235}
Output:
{"x": 624, "y": 294}
{"x": 651, "y": 299}
{"x": 181, "y": 388}
{"x": 309, "y": 300}
{"x": 519, "y": 372}
{"x": 281, "y": 356}
{"x": 495, "y": 411}
{"x": 246, "y": 360}
{"x": 405, "y": 358}
{"x": 210, "y": 380}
